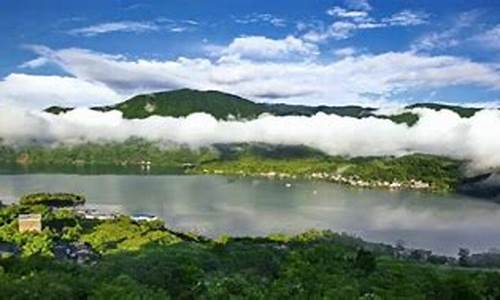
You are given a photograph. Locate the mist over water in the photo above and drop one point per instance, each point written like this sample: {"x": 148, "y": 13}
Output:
{"x": 443, "y": 132}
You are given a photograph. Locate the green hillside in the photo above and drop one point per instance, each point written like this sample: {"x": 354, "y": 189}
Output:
{"x": 282, "y": 109}
{"x": 180, "y": 103}
{"x": 464, "y": 112}
{"x": 183, "y": 102}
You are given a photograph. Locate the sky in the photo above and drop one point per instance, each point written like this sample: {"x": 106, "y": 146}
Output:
{"x": 367, "y": 52}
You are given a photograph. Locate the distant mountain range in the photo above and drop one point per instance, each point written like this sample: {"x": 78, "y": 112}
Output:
{"x": 182, "y": 102}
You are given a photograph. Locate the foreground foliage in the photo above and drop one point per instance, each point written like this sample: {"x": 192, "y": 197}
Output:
{"x": 143, "y": 260}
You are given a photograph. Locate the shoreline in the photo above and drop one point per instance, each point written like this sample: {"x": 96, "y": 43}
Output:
{"x": 139, "y": 169}
{"x": 351, "y": 181}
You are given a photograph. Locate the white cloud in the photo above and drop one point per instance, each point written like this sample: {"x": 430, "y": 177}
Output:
{"x": 436, "y": 40}
{"x": 179, "y": 29}
{"x": 42, "y": 91}
{"x": 338, "y": 30}
{"x": 406, "y": 18}
{"x": 176, "y": 26}
{"x": 35, "y": 63}
{"x": 260, "y": 47}
{"x": 490, "y": 38}
{"x": 161, "y": 23}
{"x": 343, "y": 81}
{"x": 452, "y": 36}
{"x": 124, "y": 26}
{"x": 344, "y": 13}
{"x": 347, "y": 22}
{"x": 437, "y": 132}
{"x": 358, "y": 4}
{"x": 347, "y": 51}
{"x": 261, "y": 18}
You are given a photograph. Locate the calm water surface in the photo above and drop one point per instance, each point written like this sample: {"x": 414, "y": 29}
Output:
{"x": 214, "y": 205}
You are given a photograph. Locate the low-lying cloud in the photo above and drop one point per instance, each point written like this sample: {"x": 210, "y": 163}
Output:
{"x": 437, "y": 132}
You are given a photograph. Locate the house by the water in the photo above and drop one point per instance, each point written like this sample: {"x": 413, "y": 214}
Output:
{"x": 30, "y": 222}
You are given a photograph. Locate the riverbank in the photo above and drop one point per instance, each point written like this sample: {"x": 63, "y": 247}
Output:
{"x": 73, "y": 257}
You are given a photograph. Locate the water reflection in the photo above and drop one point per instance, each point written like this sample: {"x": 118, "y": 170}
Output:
{"x": 214, "y": 205}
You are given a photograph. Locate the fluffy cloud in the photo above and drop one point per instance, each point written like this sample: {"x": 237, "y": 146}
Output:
{"x": 338, "y": 30}
{"x": 41, "y": 91}
{"x": 260, "y": 47}
{"x": 344, "y": 81}
{"x": 437, "y": 132}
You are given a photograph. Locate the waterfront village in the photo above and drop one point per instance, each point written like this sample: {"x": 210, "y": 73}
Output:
{"x": 355, "y": 181}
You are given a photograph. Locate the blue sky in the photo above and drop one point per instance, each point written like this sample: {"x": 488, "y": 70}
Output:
{"x": 312, "y": 52}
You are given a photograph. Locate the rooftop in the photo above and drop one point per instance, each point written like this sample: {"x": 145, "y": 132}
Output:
{"x": 30, "y": 217}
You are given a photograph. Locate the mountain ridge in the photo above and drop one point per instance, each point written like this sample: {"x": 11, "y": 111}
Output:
{"x": 221, "y": 105}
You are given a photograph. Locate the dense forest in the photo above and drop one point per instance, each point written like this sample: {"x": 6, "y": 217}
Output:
{"x": 74, "y": 257}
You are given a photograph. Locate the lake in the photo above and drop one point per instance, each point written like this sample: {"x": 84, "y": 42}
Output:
{"x": 214, "y": 205}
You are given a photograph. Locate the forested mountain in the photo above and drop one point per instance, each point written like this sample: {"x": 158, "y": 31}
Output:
{"x": 180, "y": 103}
{"x": 183, "y": 102}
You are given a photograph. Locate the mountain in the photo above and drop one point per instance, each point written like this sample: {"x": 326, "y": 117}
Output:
{"x": 464, "y": 112}
{"x": 180, "y": 103}
{"x": 183, "y": 102}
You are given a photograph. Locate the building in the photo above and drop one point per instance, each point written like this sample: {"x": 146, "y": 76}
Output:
{"x": 30, "y": 222}
{"x": 94, "y": 214}
{"x": 144, "y": 217}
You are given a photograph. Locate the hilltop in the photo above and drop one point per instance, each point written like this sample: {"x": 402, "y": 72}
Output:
{"x": 180, "y": 103}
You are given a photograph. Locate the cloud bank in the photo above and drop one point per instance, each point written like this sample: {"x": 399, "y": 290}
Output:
{"x": 437, "y": 132}
{"x": 42, "y": 91}
{"x": 248, "y": 67}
